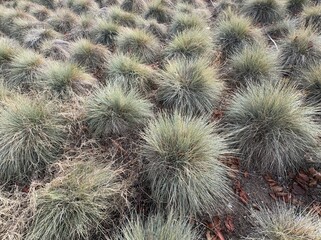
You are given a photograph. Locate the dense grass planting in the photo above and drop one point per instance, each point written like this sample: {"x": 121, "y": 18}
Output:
{"x": 160, "y": 119}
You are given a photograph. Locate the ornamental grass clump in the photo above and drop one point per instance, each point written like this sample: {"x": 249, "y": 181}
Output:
{"x": 135, "y": 6}
{"x": 40, "y": 12}
{"x": 264, "y": 12}
{"x": 56, "y": 49}
{"x": 79, "y": 202}
{"x": 285, "y": 222}
{"x": 184, "y": 21}
{"x": 62, "y": 79}
{"x": 312, "y": 17}
{"x": 23, "y": 70}
{"x": 8, "y": 49}
{"x": 300, "y": 50}
{"x": 51, "y": 4}
{"x": 130, "y": 73}
{"x": 63, "y": 20}
{"x": 193, "y": 43}
{"x": 159, "y": 30}
{"x": 191, "y": 86}
{"x": 35, "y": 37}
{"x": 31, "y": 137}
{"x": 121, "y": 17}
{"x": 82, "y": 29}
{"x": 233, "y": 33}
{"x": 169, "y": 227}
{"x": 104, "y": 32}
{"x": 254, "y": 63}
{"x": 310, "y": 80}
{"x": 159, "y": 10}
{"x": 138, "y": 43}
{"x": 273, "y": 128}
{"x": 116, "y": 111}
{"x": 82, "y": 6}
{"x": 281, "y": 29}
{"x": 295, "y": 6}
{"x": 182, "y": 167}
{"x": 91, "y": 56}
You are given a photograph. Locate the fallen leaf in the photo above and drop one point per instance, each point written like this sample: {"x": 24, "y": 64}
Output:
{"x": 277, "y": 189}
{"x": 297, "y": 189}
{"x": 229, "y": 224}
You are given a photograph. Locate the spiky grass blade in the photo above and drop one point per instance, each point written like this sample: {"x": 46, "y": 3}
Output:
{"x": 183, "y": 167}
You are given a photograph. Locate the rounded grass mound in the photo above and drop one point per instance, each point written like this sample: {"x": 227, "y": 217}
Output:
{"x": 56, "y": 49}
{"x": 91, "y": 56}
{"x": 63, "y": 20}
{"x": 185, "y": 21}
{"x": 159, "y": 10}
{"x": 252, "y": 64}
{"x": 234, "y": 33}
{"x": 136, "y": 6}
{"x": 35, "y": 37}
{"x": 284, "y": 222}
{"x": 312, "y": 17}
{"x": 300, "y": 50}
{"x": 264, "y": 12}
{"x": 311, "y": 82}
{"x": 138, "y": 43}
{"x": 182, "y": 165}
{"x": 191, "y": 86}
{"x": 8, "y": 49}
{"x": 113, "y": 110}
{"x": 63, "y": 79}
{"x": 169, "y": 227}
{"x": 193, "y": 43}
{"x": 32, "y": 136}
{"x": 23, "y": 71}
{"x": 121, "y": 17}
{"x": 273, "y": 128}
{"x": 295, "y": 6}
{"x": 104, "y": 32}
{"x": 159, "y": 30}
{"x": 82, "y": 6}
{"x": 75, "y": 204}
{"x": 130, "y": 73}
